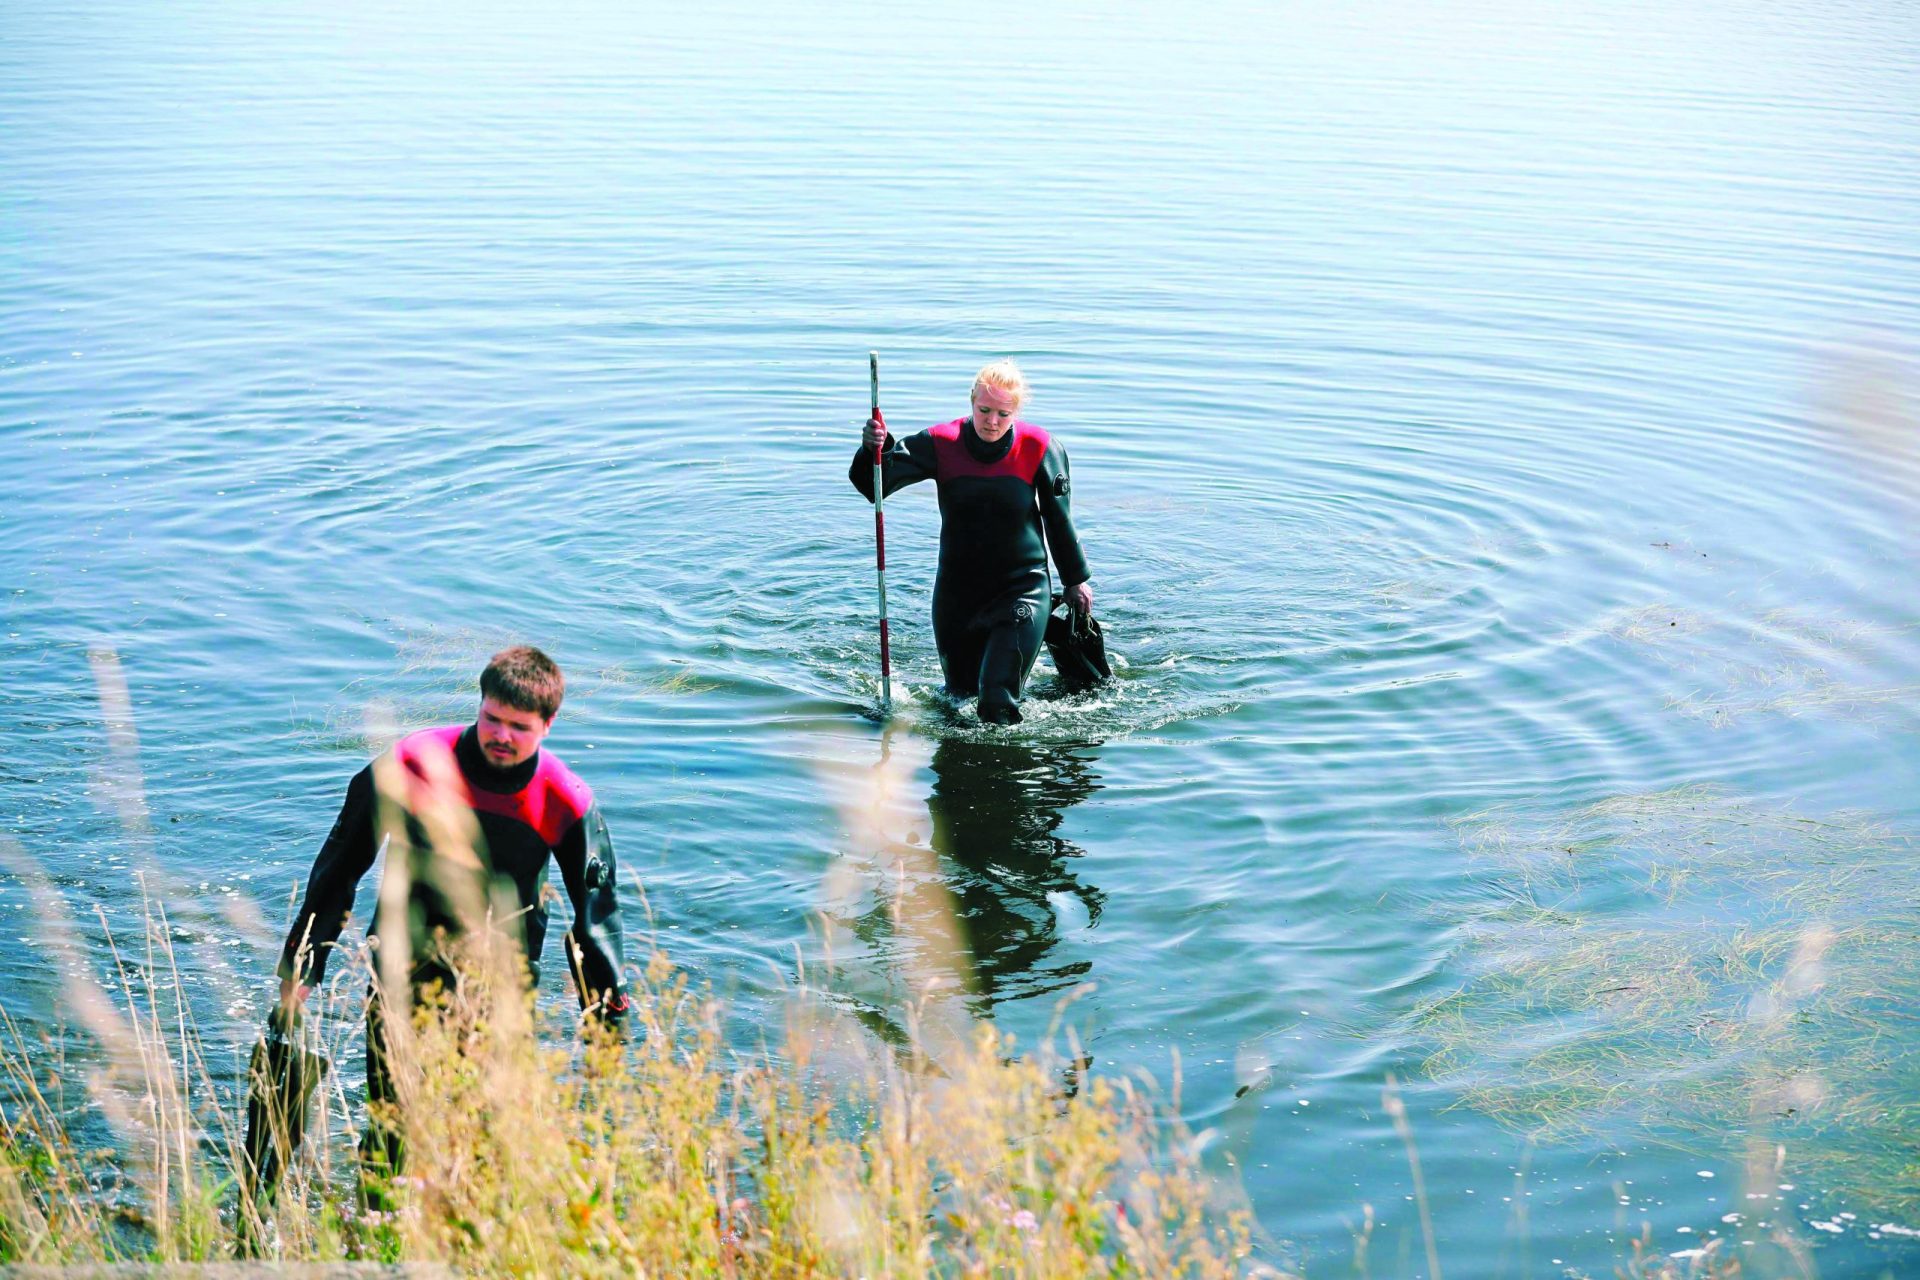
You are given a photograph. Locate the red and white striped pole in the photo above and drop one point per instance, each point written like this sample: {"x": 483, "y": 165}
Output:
{"x": 880, "y": 545}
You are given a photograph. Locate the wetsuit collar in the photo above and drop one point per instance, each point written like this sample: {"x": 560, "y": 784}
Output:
{"x": 486, "y": 776}
{"x": 982, "y": 451}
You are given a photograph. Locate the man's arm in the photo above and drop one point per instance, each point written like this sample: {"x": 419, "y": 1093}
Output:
{"x": 596, "y": 947}
{"x": 343, "y": 860}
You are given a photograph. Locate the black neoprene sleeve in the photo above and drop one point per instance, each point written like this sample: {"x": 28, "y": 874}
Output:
{"x": 595, "y": 943}
{"x": 902, "y": 462}
{"x": 1053, "y": 486}
{"x": 344, "y": 858}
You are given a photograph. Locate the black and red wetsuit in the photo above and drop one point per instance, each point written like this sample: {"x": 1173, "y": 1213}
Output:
{"x": 528, "y": 814}
{"x": 1001, "y": 505}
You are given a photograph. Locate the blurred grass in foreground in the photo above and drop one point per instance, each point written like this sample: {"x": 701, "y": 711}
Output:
{"x": 535, "y": 1152}
{"x": 833, "y": 1152}
{"x": 536, "y": 1148}
{"x": 532, "y": 1152}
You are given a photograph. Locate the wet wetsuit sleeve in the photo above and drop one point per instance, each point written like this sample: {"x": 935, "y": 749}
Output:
{"x": 1054, "y": 489}
{"x": 343, "y": 860}
{"x": 596, "y": 947}
{"x": 902, "y": 462}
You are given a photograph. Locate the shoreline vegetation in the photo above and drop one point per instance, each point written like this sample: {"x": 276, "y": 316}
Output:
{"x": 541, "y": 1147}
{"x": 537, "y": 1149}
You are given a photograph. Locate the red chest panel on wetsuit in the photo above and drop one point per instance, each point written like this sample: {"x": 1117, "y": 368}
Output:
{"x": 551, "y": 802}
{"x": 1021, "y": 461}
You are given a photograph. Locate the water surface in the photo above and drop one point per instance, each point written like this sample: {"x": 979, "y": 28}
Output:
{"x": 1481, "y": 416}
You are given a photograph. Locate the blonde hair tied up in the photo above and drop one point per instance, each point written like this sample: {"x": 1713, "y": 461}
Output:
{"x": 1005, "y": 375}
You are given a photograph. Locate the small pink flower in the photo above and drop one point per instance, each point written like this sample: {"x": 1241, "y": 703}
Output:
{"x": 1025, "y": 1221}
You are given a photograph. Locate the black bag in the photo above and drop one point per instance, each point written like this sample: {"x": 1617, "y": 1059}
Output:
{"x": 1078, "y": 648}
{"x": 281, "y": 1079}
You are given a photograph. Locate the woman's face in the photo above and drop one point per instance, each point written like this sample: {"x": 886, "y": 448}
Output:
{"x": 992, "y": 411}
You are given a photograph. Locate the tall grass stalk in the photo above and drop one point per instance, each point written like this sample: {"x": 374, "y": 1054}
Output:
{"x": 537, "y": 1146}
{"x": 541, "y": 1149}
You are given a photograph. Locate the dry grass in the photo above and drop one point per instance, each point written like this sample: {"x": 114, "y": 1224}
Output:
{"x": 534, "y": 1152}
{"x": 555, "y": 1150}
{"x": 538, "y": 1146}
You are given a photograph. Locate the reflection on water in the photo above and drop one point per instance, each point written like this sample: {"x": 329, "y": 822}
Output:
{"x": 940, "y": 913}
{"x": 997, "y": 810}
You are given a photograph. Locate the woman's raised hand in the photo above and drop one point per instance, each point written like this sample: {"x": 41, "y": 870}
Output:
{"x": 875, "y": 436}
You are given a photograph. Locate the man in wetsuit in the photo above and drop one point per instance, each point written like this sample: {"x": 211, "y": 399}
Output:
{"x": 1004, "y": 498}
{"x": 470, "y": 816}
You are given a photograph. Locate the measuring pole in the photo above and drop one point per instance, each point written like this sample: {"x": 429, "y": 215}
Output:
{"x": 880, "y": 545}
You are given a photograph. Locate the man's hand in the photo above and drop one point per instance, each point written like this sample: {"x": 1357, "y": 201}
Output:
{"x": 1080, "y": 598}
{"x": 875, "y": 436}
{"x": 604, "y": 1030}
{"x": 293, "y": 994}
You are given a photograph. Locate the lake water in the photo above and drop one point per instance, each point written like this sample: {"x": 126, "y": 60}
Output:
{"x": 1493, "y": 431}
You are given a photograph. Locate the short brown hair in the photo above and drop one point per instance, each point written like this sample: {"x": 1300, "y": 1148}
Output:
{"x": 526, "y": 678}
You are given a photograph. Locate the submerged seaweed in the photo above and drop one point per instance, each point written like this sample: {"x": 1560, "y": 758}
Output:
{"x": 1780, "y": 662}
{"x": 1701, "y": 970}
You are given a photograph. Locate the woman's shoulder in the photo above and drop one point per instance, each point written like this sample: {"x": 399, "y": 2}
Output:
{"x": 1029, "y": 431}
{"x": 1030, "y": 445}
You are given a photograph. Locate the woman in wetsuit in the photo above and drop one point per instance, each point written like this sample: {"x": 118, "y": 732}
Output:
{"x": 1001, "y": 482}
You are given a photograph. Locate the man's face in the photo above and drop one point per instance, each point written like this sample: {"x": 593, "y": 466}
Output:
{"x": 508, "y": 735}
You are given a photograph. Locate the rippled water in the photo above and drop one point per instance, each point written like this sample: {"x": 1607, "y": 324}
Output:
{"x": 1487, "y": 419}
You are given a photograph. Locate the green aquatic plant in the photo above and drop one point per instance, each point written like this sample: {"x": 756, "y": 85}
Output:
{"x": 1699, "y": 969}
{"x": 1783, "y": 662}
{"x": 682, "y": 680}
{"x": 1790, "y": 690}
